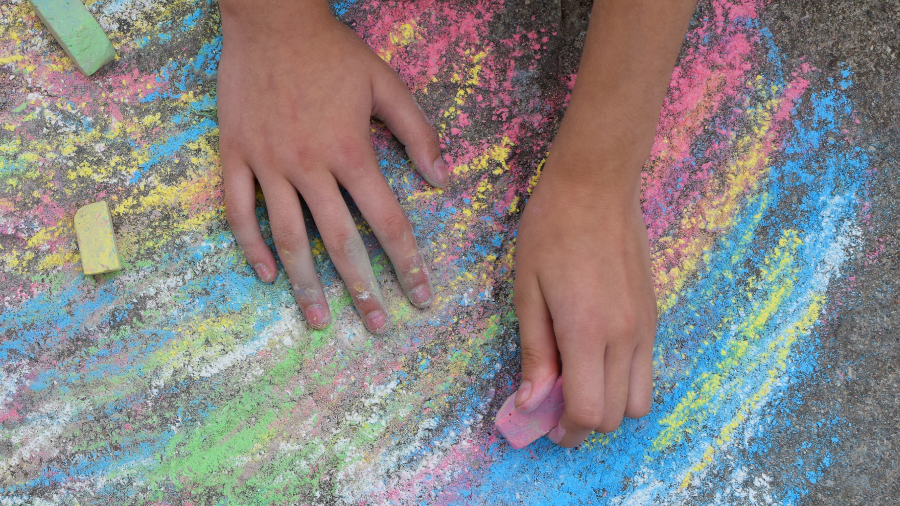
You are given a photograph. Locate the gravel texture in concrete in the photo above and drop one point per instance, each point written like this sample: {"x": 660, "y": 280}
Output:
{"x": 771, "y": 198}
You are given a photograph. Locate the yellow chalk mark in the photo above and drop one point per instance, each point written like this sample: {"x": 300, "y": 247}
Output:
{"x": 200, "y": 341}
{"x": 404, "y": 34}
{"x": 780, "y": 348}
{"x": 466, "y": 86}
{"x": 776, "y": 280}
{"x": 495, "y": 156}
{"x": 678, "y": 256}
{"x": 401, "y": 36}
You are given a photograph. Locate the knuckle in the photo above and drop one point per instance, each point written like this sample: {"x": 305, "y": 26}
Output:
{"x": 429, "y": 134}
{"x": 268, "y": 156}
{"x": 305, "y": 157}
{"x": 587, "y": 329}
{"x": 435, "y": 136}
{"x": 625, "y": 324}
{"x": 652, "y": 324}
{"x": 306, "y": 289}
{"x": 519, "y": 300}
{"x": 425, "y": 138}
{"x": 288, "y": 238}
{"x": 229, "y": 144}
{"x": 532, "y": 358}
{"x": 366, "y": 298}
{"x": 233, "y": 214}
{"x": 338, "y": 239}
{"x": 350, "y": 154}
{"x": 524, "y": 302}
{"x": 586, "y": 418}
{"x": 607, "y": 426}
{"x": 638, "y": 406}
{"x": 413, "y": 272}
{"x": 395, "y": 226}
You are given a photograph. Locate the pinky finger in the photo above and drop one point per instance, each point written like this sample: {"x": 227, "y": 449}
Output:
{"x": 240, "y": 210}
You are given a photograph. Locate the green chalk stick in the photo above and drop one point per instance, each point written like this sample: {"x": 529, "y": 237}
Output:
{"x": 77, "y": 32}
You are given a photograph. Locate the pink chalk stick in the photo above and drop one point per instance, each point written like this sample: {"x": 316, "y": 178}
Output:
{"x": 520, "y": 428}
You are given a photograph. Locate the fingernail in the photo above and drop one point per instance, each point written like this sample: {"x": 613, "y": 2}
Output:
{"x": 262, "y": 271}
{"x": 317, "y": 316}
{"x": 420, "y": 295}
{"x": 376, "y": 321}
{"x": 440, "y": 172}
{"x": 556, "y": 434}
{"x": 523, "y": 394}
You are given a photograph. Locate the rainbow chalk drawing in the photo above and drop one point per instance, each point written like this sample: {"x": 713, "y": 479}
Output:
{"x": 96, "y": 239}
{"x": 77, "y": 32}
{"x": 184, "y": 379}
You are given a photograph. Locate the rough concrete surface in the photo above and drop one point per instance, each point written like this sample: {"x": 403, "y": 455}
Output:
{"x": 771, "y": 198}
{"x": 864, "y": 37}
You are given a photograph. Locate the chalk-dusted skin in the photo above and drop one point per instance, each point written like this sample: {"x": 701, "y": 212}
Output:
{"x": 296, "y": 93}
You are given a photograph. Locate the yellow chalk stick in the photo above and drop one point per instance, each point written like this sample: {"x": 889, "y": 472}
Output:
{"x": 96, "y": 240}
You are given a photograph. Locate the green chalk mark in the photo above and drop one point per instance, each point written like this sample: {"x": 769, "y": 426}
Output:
{"x": 77, "y": 32}
{"x": 21, "y": 107}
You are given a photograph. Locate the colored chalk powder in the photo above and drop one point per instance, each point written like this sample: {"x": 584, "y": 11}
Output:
{"x": 76, "y": 30}
{"x": 96, "y": 240}
{"x": 520, "y": 429}
{"x": 187, "y": 362}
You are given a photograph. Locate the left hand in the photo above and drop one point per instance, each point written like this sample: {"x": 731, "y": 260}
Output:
{"x": 296, "y": 92}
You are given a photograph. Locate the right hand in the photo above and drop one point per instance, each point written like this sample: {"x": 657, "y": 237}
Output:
{"x": 296, "y": 93}
{"x": 584, "y": 293}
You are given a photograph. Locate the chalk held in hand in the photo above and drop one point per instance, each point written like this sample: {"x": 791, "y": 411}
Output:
{"x": 77, "y": 32}
{"x": 96, "y": 240}
{"x": 520, "y": 428}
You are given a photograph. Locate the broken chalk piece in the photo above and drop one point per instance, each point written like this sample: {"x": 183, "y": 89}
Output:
{"x": 96, "y": 240}
{"x": 520, "y": 428}
{"x": 76, "y": 30}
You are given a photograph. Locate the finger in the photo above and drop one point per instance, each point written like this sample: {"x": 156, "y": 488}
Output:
{"x": 240, "y": 210}
{"x": 292, "y": 244}
{"x": 347, "y": 251}
{"x": 379, "y": 206}
{"x": 540, "y": 358}
{"x": 394, "y": 105}
{"x": 583, "y": 387}
{"x": 616, "y": 371}
{"x": 640, "y": 382}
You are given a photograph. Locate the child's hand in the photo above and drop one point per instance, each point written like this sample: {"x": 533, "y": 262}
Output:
{"x": 584, "y": 292}
{"x": 584, "y": 297}
{"x": 296, "y": 92}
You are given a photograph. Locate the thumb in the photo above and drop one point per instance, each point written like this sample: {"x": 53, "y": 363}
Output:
{"x": 393, "y": 104}
{"x": 540, "y": 356}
